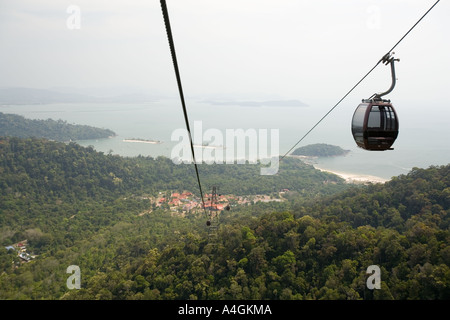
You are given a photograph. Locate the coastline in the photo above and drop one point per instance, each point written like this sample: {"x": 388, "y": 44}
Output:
{"x": 348, "y": 177}
{"x": 141, "y": 141}
{"x": 354, "y": 178}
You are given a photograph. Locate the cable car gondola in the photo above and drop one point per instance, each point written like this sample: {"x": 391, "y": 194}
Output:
{"x": 375, "y": 122}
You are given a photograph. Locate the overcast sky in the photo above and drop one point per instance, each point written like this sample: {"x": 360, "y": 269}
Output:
{"x": 290, "y": 49}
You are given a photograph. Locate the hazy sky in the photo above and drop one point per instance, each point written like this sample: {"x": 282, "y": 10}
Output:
{"x": 291, "y": 49}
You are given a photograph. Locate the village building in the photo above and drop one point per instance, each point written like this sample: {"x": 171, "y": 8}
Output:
{"x": 21, "y": 249}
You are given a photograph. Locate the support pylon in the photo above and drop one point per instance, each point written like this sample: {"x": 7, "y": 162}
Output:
{"x": 213, "y": 216}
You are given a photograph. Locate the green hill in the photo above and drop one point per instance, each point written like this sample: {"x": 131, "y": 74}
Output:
{"x": 320, "y": 150}
{"x": 17, "y": 126}
{"x": 313, "y": 252}
{"x": 76, "y": 206}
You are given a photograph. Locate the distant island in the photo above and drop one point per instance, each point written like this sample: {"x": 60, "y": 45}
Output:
{"x": 269, "y": 103}
{"x": 142, "y": 141}
{"x": 208, "y": 146}
{"x": 320, "y": 150}
{"x": 12, "y": 125}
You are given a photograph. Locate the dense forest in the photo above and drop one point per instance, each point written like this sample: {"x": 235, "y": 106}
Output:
{"x": 59, "y": 130}
{"x": 319, "y": 150}
{"x": 77, "y": 206}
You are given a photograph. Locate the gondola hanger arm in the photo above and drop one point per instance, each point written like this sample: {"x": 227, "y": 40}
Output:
{"x": 387, "y": 59}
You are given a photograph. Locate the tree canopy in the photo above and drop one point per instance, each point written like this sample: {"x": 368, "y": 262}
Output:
{"x": 59, "y": 130}
{"x": 76, "y": 206}
{"x": 320, "y": 150}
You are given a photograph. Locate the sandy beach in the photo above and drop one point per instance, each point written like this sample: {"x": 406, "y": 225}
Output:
{"x": 355, "y": 178}
{"x": 348, "y": 177}
{"x": 141, "y": 141}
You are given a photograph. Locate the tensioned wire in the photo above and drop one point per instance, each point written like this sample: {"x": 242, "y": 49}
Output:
{"x": 180, "y": 90}
{"x": 183, "y": 103}
{"x": 361, "y": 80}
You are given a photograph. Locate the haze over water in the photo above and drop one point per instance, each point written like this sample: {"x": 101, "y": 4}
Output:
{"x": 421, "y": 142}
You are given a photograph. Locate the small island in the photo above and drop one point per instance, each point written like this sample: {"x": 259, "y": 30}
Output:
{"x": 251, "y": 103}
{"x": 142, "y": 141}
{"x": 208, "y": 146}
{"x": 320, "y": 150}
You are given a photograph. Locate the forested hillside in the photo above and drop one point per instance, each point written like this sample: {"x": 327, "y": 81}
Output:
{"x": 314, "y": 252}
{"x": 17, "y": 126}
{"x": 76, "y": 206}
{"x": 42, "y": 168}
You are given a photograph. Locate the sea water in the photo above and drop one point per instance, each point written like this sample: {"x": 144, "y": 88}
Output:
{"x": 422, "y": 140}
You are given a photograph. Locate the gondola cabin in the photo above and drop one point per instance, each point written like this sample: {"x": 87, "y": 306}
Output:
{"x": 375, "y": 125}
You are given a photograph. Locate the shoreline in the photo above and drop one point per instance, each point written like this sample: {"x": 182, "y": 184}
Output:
{"x": 141, "y": 141}
{"x": 353, "y": 177}
{"x": 208, "y": 147}
{"x": 348, "y": 177}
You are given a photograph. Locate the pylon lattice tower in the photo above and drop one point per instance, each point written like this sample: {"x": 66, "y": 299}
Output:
{"x": 213, "y": 215}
